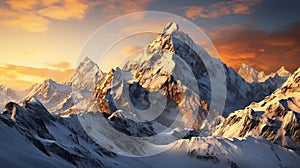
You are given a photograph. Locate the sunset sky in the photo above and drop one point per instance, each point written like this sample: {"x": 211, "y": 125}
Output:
{"x": 41, "y": 39}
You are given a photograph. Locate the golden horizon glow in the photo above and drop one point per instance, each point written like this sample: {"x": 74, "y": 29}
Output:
{"x": 21, "y": 77}
{"x": 42, "y": 39}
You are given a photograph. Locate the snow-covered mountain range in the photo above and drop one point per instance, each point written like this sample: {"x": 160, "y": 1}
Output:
{"x": 61, "y": 98}
{"x": 162, "y": 98}
{"x": 276, "y": 117}
{"x": 32, "y": 137}
{"x": 53, "y": 95}
{"x": 251, "y": 75}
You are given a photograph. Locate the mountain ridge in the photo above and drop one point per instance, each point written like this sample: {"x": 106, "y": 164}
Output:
{"x": 251, "y": 75}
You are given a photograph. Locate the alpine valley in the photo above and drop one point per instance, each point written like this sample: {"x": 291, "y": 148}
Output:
{"x": 172, "y": 105}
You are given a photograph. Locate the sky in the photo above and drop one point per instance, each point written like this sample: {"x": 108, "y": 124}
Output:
{"x": 42, "y": 39}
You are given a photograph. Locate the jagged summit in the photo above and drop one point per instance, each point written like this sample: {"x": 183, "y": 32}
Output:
{"x": 49, "y": 81}
{"x": 283, "y": 72}
{"x": 86, "y": 75}
{"x": 87, "y": 60}
{"x": 170, "y": 28}
{"x": 249, "y": 73}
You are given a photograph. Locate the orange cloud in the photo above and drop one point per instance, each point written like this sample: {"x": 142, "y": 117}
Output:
{"x": 266, "y": 51}
{"x": 70, "y": 9}
{"x": 62, "y": 65}
{"x": 129, "y": 50}
{"x": 18, "y": 5}
{"x": 35, "y": 15}
{"x": 25, "y": 20}
{"x": 22, "y": 77}
{"x": 218, "y": 9}
{"x": 49, "y": 2}
{"x": 116, "y": 8}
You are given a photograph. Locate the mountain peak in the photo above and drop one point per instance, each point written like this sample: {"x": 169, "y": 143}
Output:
{"x": 246, "y": 66}
{"x": 7, "y": 94}
{"x": 86, "y": 75}
{"x": 3, "y": 88}
{"x": 170, "y": 28}
{"x": 282, "y": 68}
{"x": 87, "y": 60}
{"x": 283, "y": 72}
{"x": 50, "y": 81}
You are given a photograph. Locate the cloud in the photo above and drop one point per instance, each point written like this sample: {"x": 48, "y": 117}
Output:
{"x": 50, "y": 2}
{"x": 62, "y": 65}
{"x": 129, "y": 50}
{"x": 218, "y": 9}
{"x": 70, "y": 9}
{"x": 18, "y": 5}
{"x": 116, "y": 8}
{"x": 266, "y": 51}
{"x": 22, "y": 77}
{"x": 25, "y": 20}
{"x": 36, "y": 15}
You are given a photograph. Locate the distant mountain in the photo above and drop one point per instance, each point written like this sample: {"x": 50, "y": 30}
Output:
{"x": 251, "y": 75}
{"x": 7, "y": 95}
{"x": 60, "y": 98}
{"x": 54, "y": 96}
{"x": 86, "y": 75}
{"x": 275, "y": 118}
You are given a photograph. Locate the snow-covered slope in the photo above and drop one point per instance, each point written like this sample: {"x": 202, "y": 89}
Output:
{"x": 251, "y": 75}
{"x": 55, "y": 96}
{"x": 276, "y": 117}
{"x": 249, "y": 152}
{"x": 32, "y": 137}
{"x": 50, "y": 140}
